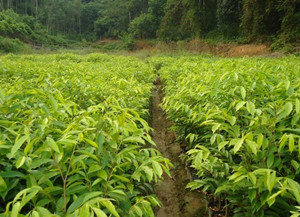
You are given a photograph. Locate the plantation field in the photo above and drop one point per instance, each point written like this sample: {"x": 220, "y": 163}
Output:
{"x": 75, "y": 138}
{"x": 239, "y": 119}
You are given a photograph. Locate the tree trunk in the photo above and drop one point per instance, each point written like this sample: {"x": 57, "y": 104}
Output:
{"x": 129, "y": 16}
{"x": 31, "y": 11}
{"x": 79, "y": 23}
{"x": 36, "y": 9}
{"x": 25, "y": 7}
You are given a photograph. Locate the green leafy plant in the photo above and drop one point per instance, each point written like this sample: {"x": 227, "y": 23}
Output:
{"x": 128, "y": 40}
{"x": 73, "y": 140}
{"x": 11, "y": 45}
{"x": 239, "y": 119}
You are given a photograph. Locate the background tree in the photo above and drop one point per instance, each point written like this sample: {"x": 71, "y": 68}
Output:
{"x": 229, "y": 13}
{"x": 254, "y": 20}
{"x": 193, "y": 18}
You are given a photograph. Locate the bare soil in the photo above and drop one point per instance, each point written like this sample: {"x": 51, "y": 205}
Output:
{"x": 177, "y": 201}
{"x": 227, "y": 49}
{"x": 248, "y": 50}
{"x": 198, "y": 46}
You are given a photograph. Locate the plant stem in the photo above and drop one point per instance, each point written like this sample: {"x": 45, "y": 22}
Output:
{"x": 108, "y": 179}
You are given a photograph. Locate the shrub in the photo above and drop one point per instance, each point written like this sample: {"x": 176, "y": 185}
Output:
{"x": 128, "y": 40}
{"x": 143, "y": 26}
{"x": 11, "y": 45}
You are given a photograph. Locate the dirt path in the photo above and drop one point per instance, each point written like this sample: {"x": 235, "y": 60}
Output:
{"x": 177, "y": 201}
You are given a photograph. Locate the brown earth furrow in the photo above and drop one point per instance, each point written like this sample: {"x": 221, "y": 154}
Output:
{"x": 177, "y": 201}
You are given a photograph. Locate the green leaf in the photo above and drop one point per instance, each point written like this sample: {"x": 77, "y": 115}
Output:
{"x": 15, "y": 210}
{"x": 252, "y": 178}
{"x": 44, "y": 212}
{"x": 295, "y": 164}
{"x": 94, "y": 168}
{"x": 157, "y": 168}
{"x": 295, "y": 120}
{"x": 251, "y": 107}
{"x": 29, "y": 146}
{"x": 291, "y": 143}
{"x": 235, "y": 175}
{"x": 238, "y": 145}
{"x": 294, "y": 188}
{"x": 99, "y": 212}
{"x": 215, "y": 127}
{"x": 124, "y": 179}
{"x": 52, "y": 144}
{"x": 213, "y": 138}
{"x": 82, "y": 199}
{"x": 2, "y": 95}
{"x": 136, "y": 175}
{"x": 138, "y": 210}
{"x": 134, "y": 139}
{"x": 240, "y": 178}
{"x": 154, "y": 201}
{"x": 77, "y": 189}
{"x": 39, "y": 162}
{"x": 288, "y": 108}
{"x": 111, "y": 208}
{"x": 222, "y": 188}
{"x": 35, "y": 214}
{"x": 252, "y": 145}
{"x": 260, "y": 140}
{"x": 271, "y": 180}
{"x": 243, "y": 92}
{"x": 252, "y": 195}
{"x": 12, "y": 174}
{"x": 85, "y": 211}
{"x": 3, "y": 185}
{"x": 222, "y": 144}
{"x": 149, "y": 173}
{"x": 239, "y": 105}
{"x": 272, "y": 198}
{"x": 283, "y": 140}
{"x": 18, "y": 144}
{"x": 299, "y": 146}
{"x": 100, "y": 142}
{"x": 192, "y": 137}
{"x": 118, "y": 195}
{"x": 270, "y": 160}
{"x": 20, "y": 161}
{"x": 297, "y": 106}
{"x": 231, "y": 120}
{"x": 103, "y": 174}
{"x": 92, "y": 143}
{"x": 33, "y": 192}
{"x": 53, "y": 102}
{"x": 285, "y": 111}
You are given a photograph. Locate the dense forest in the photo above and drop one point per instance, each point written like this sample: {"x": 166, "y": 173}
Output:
{"x": 167, "y": 20}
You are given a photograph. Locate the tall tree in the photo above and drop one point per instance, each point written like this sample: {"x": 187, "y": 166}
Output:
{"x": 261, "y": 18}
{"x": 188, "y": 18}
{"x": 36, "y": 9}
{"x": 229, "y": 13}
{"x": 167, "y": 19}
